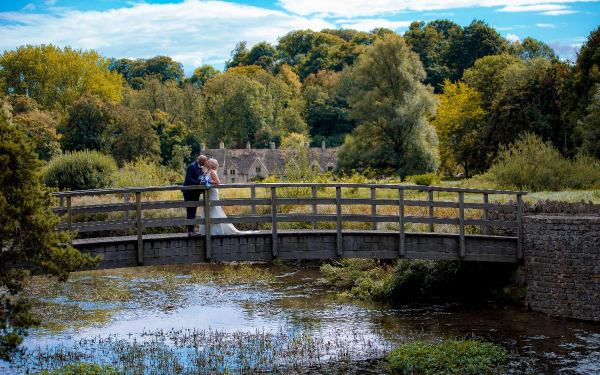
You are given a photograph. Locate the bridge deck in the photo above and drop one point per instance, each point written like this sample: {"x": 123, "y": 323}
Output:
{"x": 163, "y": 249}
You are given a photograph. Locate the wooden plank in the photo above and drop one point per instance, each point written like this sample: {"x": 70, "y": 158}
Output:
{"x": 274, "y": 222}
{"x": 139, "y": 228}
{"x": 496, "y": 223}
{"x": 306, "y": 201}
{"x": 485, "y": 214}
{"x": 431, "y": 225}
{"x": 97, "y": 226}
{"x": 401, "y": 222}
{"x": 207, "y": 235}
{"x": 374, "y": 208}
{"x": 461, "y": 224}
{"x": 69, "y": 215}
{"x": 253, "y": 207}
{"x": 416, "y": 203}
{"x": 338, "y": 209}
{"x": 520, "y": 227}
{"x": 314, "y": 206}
{"x": 490, "y": 206}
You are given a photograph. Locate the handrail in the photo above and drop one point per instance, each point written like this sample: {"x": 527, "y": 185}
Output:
{"x": 274, "y": 203}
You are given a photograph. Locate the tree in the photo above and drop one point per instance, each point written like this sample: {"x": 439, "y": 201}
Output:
{"x": 470, "y": 44}
{"x": 262, "y": 54}
{"x": 391, "y": 106}
{"x": 28, "y": 235}
{"x": 165, "y": 68}
{"x": 458, "y": 120}
{"x": 134, "y": 136}
{"x": 239, "y": 56}
{"x": 293, "y": 141}
{"x": 57, "y": 78}
{"x": 86, "y": 126}
{"x": 589, "y": 127}
{"x": 531, "y": 48}
{"x": 203, "y": 74}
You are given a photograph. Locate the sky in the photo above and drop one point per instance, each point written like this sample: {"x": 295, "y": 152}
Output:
{"x": 199, "y": 32}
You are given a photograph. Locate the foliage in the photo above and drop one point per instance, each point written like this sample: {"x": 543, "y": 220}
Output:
{"x": 40, "y": 130}
{"x": 589, "y": 127}
{"x": 141, "y": 172}
{"x": 391, "y": 105}
{"x": 82, "y": 368}
{"x": 79, "y": 170}
{"x": 203, "y": 74}
{"x": 133, "y": 136}
{"x": 467, "y": 357}
{"x": 530, "y": 48}
{"x": 28, "y": 235}
{"x": 458, "y": 121}
{"x": 293, "y": 141}
{"x": 424, "y": 179}
{"x": 86, "y": 127}
{"x": 366, "y": 279}
{"x": 532, "y": 164}
{"x": 136, "y": 71}
{"x": 57, "y": 78}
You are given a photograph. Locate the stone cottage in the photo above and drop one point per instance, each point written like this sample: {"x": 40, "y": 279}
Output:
{"x": 245, "y": 165}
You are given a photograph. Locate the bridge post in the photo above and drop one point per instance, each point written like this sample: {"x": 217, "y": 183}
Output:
{"x": 431, "y": 225}
{"x": 253, "y": 196}
{"x": 338, "y": 208}
{"x": 314, "y": 206}
{"x": 485, "y": 214}
{"x": 207, "y": 237}
{"x": 401, "y": 221}
{"x": 274, "y": 221}
{"x": 461, "y": 222}
{"x": 69, "y": 215}
{"x": 374, "y": 208}
{"x": 519, "y": 227}
{"x": 138, "y": 212}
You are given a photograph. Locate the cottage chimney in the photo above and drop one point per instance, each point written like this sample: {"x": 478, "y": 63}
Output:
{"x": 247, "y": 145}
{"x": 272, "y": 145}
{"x": 221, "y": 145}
{"x": 323, "y": 145}
{"x": 202, "y": 147}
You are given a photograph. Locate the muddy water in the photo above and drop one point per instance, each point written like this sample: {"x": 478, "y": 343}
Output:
{"x": 96, "y": 313}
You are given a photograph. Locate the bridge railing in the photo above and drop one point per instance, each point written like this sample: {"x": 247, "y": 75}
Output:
{"x": 272, "y": 198}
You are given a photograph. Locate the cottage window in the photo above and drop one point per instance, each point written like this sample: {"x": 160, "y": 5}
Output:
{"x": 232, "y": 172}
{"x": 330, "y": 168}
{"x": 257, "y": 169}
{"x": 233, "y": 180}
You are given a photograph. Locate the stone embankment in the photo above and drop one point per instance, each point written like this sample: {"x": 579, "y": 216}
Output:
{"x": 561, "y": 248}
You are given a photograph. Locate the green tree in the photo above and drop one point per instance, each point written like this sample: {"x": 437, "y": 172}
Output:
{"x": 239, "y": 56}
{"x": 28, "y": 235}
{"x": 589, "y": 127}
{"x": 531, "y": 48}
{"x": 165, "y": 68}
{"x": 57, "y": 78}
{"x": 134, "y": 136}
{"x": 391, "y": 104}
{"x": 470, "y": 44}
{"x": 87, "y": 124}
{"x": 458, "y": 120}
{"x": 262, "y": 54}
{"x": 203, "y": 74}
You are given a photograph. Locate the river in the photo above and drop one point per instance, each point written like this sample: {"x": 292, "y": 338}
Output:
{"x": 269, "y": 319}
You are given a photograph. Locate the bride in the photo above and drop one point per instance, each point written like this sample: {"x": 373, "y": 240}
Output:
{"x": 216, "y": 211}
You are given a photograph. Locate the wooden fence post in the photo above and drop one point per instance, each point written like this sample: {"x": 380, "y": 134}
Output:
{"x": 314, "y": 207}
{"x": 401, "y": 221}
{"x": 461, "y": 222}
{"x": 69, "y": 215}
{"x": 274, "y": 221}
{"x": 519, "y": 227}
{"x": 431, "y": 225}
{"x": 138, "y": 213}
{"x": 253, "y": 196}
{"x": 207, "y": 236}
{"x": 374, "y": 208}
{"x": 338, "y": 208}
{"x": 485, "y": 214}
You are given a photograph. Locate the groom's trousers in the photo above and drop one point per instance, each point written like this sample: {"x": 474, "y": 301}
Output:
{"x": 188, "y": 196}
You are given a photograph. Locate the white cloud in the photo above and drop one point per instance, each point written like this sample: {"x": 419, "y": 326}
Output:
{"x": 193, "y": 32}
{"x": 565, "y": 51}
{"x": 367, "y": 8}
{"x": 545, "y": 25}
{"x": 558, "y": 12}
{"x": 370, "y": 24}
{"x": 30, "y": 6}
{"x": 512, "y": 37}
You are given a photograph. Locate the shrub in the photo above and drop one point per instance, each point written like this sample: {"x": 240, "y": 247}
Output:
{"x": 468, "y": 357}
{"x": 82, "y": 368}
{"x": 424, "y": 179}
{"x": 366, "y": 279}
{"x": 141, "y": 172}
{"x": 80, "y": 170}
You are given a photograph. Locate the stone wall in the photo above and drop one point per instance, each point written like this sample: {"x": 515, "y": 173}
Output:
{"x": 562, "y": 265}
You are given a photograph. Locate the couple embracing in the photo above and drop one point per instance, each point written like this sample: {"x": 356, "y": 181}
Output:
{"x": 206, "y": 169}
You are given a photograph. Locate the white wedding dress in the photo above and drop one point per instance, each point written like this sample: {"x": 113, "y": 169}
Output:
{"x": 217, "y": 212}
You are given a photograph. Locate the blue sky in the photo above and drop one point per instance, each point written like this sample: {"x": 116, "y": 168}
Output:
{"x": 198, "y": 32}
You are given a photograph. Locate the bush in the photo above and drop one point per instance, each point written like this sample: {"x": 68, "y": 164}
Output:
{"x": 467, "y": 357}
{"x": 80, "y": 170}
{"x": 82, "y": 368}
{"x": 535, "y": 165}
{"x": 366, "y": 279}
{"x": 424, "y": 179}
{"x": 142, "y": 172}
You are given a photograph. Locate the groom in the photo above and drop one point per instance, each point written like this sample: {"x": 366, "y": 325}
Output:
{"x": 192, "y": 177}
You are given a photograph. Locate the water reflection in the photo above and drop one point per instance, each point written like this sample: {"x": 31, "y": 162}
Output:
{"x": 137, "y": 303}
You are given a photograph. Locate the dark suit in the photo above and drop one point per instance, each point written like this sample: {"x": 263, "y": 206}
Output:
{"x": 192, "y": 177}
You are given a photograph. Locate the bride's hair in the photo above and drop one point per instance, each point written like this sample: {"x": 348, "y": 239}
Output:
{"x": 213, "y": 163}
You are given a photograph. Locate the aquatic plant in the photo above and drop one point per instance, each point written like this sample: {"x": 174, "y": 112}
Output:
{"x": 465, "y": 357}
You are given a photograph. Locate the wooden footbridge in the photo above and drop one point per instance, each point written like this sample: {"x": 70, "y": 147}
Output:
{"x": 294, "y": 221}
